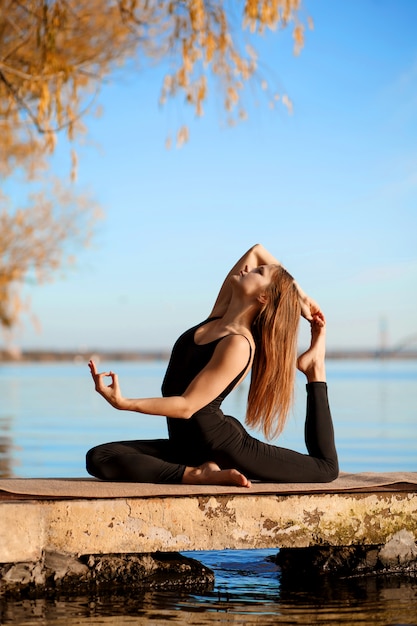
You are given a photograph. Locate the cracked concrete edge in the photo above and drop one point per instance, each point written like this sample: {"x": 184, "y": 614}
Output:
{"x": 28, "y": 528}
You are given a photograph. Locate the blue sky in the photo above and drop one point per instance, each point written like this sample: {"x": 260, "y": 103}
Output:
{"x": 331, "y": 190}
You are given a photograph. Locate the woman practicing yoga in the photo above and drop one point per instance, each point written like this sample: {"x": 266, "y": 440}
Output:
{"x": 253, "y": 324}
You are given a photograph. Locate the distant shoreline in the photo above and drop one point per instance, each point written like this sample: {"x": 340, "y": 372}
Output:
{"x": 54, "y": 356}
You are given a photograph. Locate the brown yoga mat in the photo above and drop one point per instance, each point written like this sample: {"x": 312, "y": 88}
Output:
{"x": 56, "y": 488}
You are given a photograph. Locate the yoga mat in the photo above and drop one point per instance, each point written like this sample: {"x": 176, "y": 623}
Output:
{"x": 90, "y": 488}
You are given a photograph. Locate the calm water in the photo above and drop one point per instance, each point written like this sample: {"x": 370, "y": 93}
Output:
{"x": 49, "y": 417}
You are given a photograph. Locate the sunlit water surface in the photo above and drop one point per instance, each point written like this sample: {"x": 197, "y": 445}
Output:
{"x": 50, "y": 416}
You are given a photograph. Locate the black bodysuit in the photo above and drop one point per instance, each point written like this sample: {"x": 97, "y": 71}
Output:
{"x": 209, "y": 435}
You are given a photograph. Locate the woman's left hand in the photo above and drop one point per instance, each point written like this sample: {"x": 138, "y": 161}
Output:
{"x": 111, "y": 392}
{"x": 309, "y": 308}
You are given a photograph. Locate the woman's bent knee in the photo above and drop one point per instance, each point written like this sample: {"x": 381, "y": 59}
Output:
{"x": 331, "y": 472}
{"x": 93, "y": 461}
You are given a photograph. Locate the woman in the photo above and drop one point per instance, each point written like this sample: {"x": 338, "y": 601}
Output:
{"x": 253, "y": 324}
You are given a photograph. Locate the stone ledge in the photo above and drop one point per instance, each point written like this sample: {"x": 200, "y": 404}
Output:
{"x": 28, "y": 528}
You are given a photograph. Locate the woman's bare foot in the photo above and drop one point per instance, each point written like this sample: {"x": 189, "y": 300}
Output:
{"x": 211, "y": 474}
{"x": 311, "y": 362}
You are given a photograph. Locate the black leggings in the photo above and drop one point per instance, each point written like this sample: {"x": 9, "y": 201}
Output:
{"x": 226, "y": 442}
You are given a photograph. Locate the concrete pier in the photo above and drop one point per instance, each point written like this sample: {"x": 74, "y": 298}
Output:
{"x": 68, "y": 535}
{"x": 28, "y": 528}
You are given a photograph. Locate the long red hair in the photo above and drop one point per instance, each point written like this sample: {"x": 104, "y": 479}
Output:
{"x": 275, "y": 331}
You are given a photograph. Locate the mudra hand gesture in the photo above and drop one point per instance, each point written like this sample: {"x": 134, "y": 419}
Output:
{"x": 111, "y": 392}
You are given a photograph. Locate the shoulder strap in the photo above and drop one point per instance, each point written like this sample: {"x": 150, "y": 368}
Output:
{"x": 250, "y": 353}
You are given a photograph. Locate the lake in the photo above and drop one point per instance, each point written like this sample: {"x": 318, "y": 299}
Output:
{"x": 50, "y": 415}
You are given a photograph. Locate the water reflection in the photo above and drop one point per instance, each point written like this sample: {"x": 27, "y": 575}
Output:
{"x": 357, "y": 600}
{"x": 372, "y": 600}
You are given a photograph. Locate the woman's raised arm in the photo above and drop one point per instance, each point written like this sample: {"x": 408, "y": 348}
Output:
{"x": 255, "y": 256}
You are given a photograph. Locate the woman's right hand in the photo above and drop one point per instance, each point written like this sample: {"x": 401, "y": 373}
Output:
{"x": 111, "y": 392}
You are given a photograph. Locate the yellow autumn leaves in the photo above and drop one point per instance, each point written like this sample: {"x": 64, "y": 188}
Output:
{"x": 56, "y": 53}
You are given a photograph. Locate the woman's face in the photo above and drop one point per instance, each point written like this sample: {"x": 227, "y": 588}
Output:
{"x": 255, "y": 281}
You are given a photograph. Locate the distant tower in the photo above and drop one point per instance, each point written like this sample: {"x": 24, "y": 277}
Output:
{"x": 383, "y": 335}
